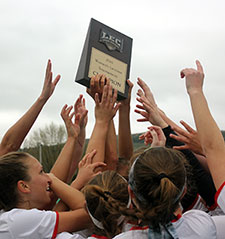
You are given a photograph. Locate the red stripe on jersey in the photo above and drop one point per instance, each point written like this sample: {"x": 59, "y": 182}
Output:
{"x": 56, "y": 226}
{"x": 101, "y": 237}
{"x": 193, "y": 203}
{"x": 139, "y": 228}
{"x": 178, "y": 216}
{"x": 218, "y": 192}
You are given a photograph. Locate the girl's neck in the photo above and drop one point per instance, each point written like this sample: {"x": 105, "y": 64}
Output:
{"x": 179, "y": 211}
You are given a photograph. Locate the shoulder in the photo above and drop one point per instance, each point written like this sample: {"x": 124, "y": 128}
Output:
{"x": 66, "y": 235}
{"x": 196, "y": 223}
{"x": 196, "y": 215}
{"x": 21, "y": 222}
{"x": 135, "y": 232}
{"x": 27, "y": 215}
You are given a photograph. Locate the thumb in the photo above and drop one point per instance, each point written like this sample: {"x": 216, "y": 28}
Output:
{"x": 199, "y": 66}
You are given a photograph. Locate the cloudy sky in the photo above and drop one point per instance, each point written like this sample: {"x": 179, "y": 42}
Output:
{"x": 168, "y": 35}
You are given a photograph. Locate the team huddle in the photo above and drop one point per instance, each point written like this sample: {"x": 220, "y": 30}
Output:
{"x": 172, "y": 187}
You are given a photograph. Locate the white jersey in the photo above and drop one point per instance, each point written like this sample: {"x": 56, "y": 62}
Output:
{"x": 77, "y": 235}
{"x": 28, "y": 224}
{"x": 220, "y": 228}
{"x": 193, "y": 224}
{"x": 220, "y": 197}
{"x": 66, "y": 235}
{"x": 199, "y": 204}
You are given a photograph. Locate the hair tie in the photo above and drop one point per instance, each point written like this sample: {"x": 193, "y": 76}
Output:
{"x": 107, "y": 193}
{"x": 161, "y": 176}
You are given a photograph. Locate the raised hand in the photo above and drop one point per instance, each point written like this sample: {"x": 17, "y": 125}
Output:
{"x": 158, "y": 137}
{"x": 146, "y": 92}
{"x": 15, "y": 135}
{"x": 194, "y": 78}
{"x": 148, "y": 108}
{"x": 96, "y": 85}
{"x": 49, "y": 85}
{"x": 189, "y": 137}
{"x": 124, "y": 135}
{"x": 147, "y": 137}
{"x": 80, "y": 108}
{"x": 106, "y": 109}
{"x": 72, "y": 126}
{"x": 154, "y": 136}
{"x": 87, "y": 169}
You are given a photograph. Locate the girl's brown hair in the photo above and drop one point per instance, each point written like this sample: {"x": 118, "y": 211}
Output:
{"x": 157, "y": 179}
{"x": 105, "y": 190}
{"x": 12, "y": 169}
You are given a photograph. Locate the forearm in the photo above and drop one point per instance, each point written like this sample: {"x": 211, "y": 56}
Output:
{"x": 77, "y": 184}
{"x": 73, "y": 198}
{"x": 63, "y": 163}
{"x": 73, "y": 221}
{"x": 201, "y": 177}
{"x": 167, "y": 119}
{"x": 14, "y": 137}
{"x": 125, "y": 138}
{"x": 210, "y": 137}
{"x": 61, "y": 206}
{"x": 77, "y": 154}
{"x": 97, "y": 141}
{"x": 111, "y": 157}
{"x": 203, "y": 161}
{"x": 209, "y": 133}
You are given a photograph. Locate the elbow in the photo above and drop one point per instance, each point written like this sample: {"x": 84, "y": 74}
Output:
{"x": 7, "y": 148}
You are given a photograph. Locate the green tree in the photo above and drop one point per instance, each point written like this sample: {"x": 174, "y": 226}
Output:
{"x": 46, "y": 143}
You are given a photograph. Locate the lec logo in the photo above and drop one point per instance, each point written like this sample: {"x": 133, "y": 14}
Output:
{"x": 113, "y": 43}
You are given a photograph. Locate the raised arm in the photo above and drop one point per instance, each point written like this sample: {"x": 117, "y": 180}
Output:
{"x": 14, "y": 137}
{"x": 85, "y": 174}
{"x": 148, "y": 108}
{"x": 151, "y": 113}
{"x": 96, "y": 86}
{"x": 111, "y": 157}
{"x": 209, "y": 134}
{"x": 62, "y": 166}
{"x": 79, "y": 108}
{"x": 125, "y": 138}
{"x": 105, "y": 110}
{"x": 189, "y": 137}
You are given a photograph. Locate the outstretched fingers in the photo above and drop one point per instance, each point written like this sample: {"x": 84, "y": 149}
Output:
{"x": 179, "y": 138}
{"x": 188, "y": 127}
{"x": 158, "y": 137}
{"x": 55, "y": 82}
{"x": 65, "y": 112}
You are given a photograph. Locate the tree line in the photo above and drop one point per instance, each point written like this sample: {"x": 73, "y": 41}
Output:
{"x": 46, "y": 143}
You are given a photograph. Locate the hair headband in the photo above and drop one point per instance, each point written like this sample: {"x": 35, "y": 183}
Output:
{"x": 158, "y": 178}
{"x": 99, "y": 224}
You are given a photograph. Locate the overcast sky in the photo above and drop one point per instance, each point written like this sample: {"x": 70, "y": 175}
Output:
{"x": 168, "y": 35}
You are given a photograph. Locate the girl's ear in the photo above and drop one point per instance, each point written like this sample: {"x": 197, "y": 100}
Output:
{"x": 23, "y": 187}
